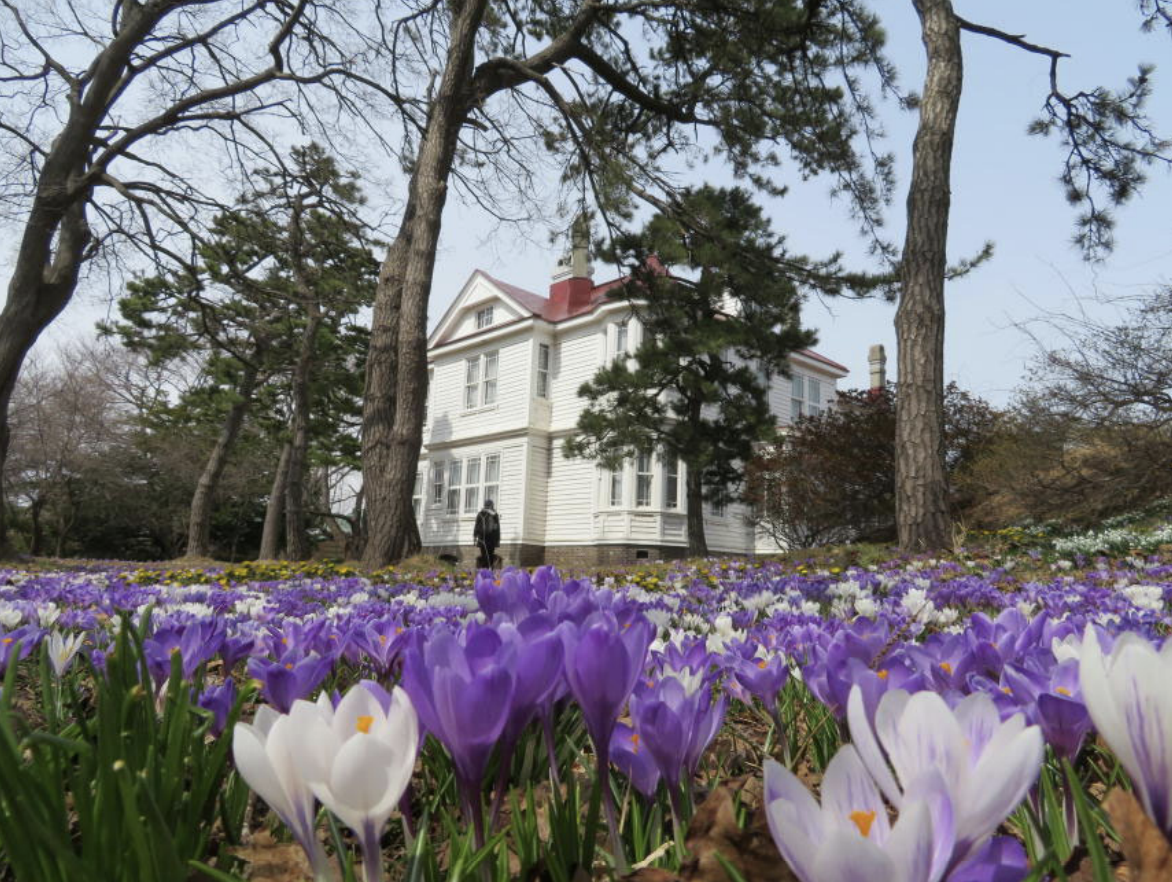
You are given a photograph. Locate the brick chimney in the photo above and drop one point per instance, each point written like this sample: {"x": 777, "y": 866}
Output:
{"x": 877, "y": 358}
{"x": 572, "y": 277}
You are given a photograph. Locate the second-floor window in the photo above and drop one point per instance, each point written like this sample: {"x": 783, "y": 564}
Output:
{"x": 480, "y": 375}
{"x": 805, "y": 397}
{"x": 622, "y": 333}
{"x": 543, "y": 361}
{"x": 483, "y": 317}
{"x": 643, "y": 477}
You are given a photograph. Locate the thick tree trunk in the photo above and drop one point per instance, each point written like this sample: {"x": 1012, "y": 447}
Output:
{"x": 270, "y": 540}
{"x": 199, "y": 522}
{"x": 42, "y": 283}
{"x": 296, "y": 533}
{"x": 694, "y": 493}
{"x": 392, "y": 424}
{"x": 921, "y": 484}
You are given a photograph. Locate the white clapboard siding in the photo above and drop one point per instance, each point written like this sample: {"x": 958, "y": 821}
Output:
{"x": 579, "y": 355}
{"x": 439, "y": 527}
{"x": 573, "y": 487}
{"x": 447, "y": 418}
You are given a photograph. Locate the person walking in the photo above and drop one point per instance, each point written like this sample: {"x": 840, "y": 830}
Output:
{"x": 487, "y": 535}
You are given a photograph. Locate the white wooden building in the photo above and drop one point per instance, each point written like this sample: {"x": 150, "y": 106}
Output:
{"x": 505, "y": 366}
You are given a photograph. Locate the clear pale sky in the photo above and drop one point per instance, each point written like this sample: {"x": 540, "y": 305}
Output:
{"x": 1004, "y": 189}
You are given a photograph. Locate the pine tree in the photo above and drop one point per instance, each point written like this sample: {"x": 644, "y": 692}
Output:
{"x": 713, "y": 330}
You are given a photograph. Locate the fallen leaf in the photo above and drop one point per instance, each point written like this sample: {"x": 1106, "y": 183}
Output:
{"x": 274, "y": 861}
{"x": 1145, "y": 847}
{"x": 714, "y": 830}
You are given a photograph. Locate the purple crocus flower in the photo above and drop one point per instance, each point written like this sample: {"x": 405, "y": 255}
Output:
{"x": 634, "y": 760}
{"x": 676, "y": 720}
{"x": 463, "y": 697}
{"x": 195, "y": 643}
{"x": 289, "y": 678}
{"x": 603, "y": 661}
{"x": 28, "y": 636}
{"x": 763, "y": 677}
{"x": 219, "y": 700}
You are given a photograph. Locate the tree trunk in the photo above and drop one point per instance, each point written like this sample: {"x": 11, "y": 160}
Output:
{"x": 199, "y": 522}
{"x": 296, "y": 534}
{"x": 396, "y": 375}
{"x": 694, "y": 492}
{"x": 42, "y": 283}
{"x": 921, "y": 484}
{"x": 270, "y": 541}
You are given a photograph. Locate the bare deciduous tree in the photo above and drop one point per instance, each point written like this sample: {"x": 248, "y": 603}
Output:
{"x": 92, "y": 94}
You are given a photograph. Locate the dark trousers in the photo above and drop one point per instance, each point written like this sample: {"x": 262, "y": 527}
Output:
{"x": 486, "y": 560}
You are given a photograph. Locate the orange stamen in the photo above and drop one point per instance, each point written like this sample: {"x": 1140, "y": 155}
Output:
{"x": 364, "y": 723}
{"x": 863, "y": 820}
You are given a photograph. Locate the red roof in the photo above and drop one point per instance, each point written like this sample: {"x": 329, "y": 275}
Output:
{"x": 558, "y": 311}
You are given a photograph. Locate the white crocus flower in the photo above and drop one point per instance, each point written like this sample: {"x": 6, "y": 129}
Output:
{"x": 264, "y": 757}
{"x": 1127, "y": 695}
{"x": 988, "y": 765}
{"x": 62, "y": 649}
{"x": 358, "y": 760}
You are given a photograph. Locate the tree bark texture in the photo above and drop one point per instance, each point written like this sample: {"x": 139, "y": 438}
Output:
{"x": 396, "y": 376}
{"x": 199, "y": 522}
{"x": 270, "y": 539}
{"x": 296, "y": 532}
{"x": 694, "y": 491}
{"x": 921, "y": 484}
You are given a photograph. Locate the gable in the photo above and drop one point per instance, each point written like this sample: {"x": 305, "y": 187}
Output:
{"x": 480, "y": 292}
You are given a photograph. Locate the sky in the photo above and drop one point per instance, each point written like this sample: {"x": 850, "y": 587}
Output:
{"x": 1004, "y": 190}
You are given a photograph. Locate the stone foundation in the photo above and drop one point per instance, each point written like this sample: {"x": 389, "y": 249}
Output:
{"x": 567, "y": 556}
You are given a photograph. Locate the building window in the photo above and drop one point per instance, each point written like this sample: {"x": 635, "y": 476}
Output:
{"x": 417, "y": 496}
{"x": 471, "y": 383}
{"x": 797, "y": 401}
{"x": 455, "y": 469}
{"x": 813, "y": 396}
{"x": 437, "y": 483}
{"x": 483, "y": 317}
{"x": 471, "y": 485}
{"x": 616, "y": 488}
{"x": 643, "y": 479}
{"x": 492, "y": 475}
{"x": 671, "y": 484}
{"x": 480, "y": 375}
{"x": 806, "y": 398}
{"x": 488, "y": 386}
{"x": 543, "y": 370}
{"x": 622, "y": 335}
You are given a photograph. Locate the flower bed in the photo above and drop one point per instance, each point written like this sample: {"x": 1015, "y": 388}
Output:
{"x": 452, "y": 726}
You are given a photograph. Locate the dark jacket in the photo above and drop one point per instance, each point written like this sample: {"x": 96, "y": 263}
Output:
{"x": 488, "y": 528}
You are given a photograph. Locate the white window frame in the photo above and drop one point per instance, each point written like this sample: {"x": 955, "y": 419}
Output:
{"x": 644, "y": 479}
{"x": 455, "y": 485}
{"x": 622, "y": 338}
{"x": 488, "y": 377}
{"x": 544, "y": 354}
{"x": 472, "y": 487}
{"x": 813, "y": 396}
{"x": 491, "y": 475}
{"x": 484, "y": 317}
{"x": 427, "y": 395}
{"x": 438, "y": 472}
{"x": 417, "y": 496}
{"x": 480, "y": 379}
{"x": 805, "y": 396}
{"x": 472, "y": 382}
{"x": 615, "y": 491}
{"x": 671, "y": 484}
